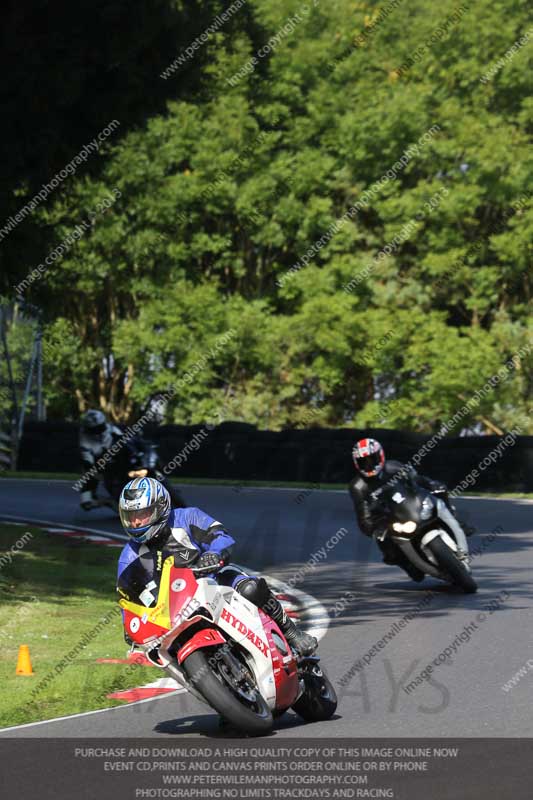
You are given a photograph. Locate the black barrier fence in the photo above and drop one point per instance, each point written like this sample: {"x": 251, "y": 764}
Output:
{"x": 238, "y": 451}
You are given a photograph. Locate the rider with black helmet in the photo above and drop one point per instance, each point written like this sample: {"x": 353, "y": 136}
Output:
{"x": 373, "y": 473}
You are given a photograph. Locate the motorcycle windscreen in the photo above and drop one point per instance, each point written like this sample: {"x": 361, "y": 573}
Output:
{"x": 156, "y": 609}
{"x": 139, "y": 581}
{"x": 403, "y": 501}
{"x": 144, "y": 598}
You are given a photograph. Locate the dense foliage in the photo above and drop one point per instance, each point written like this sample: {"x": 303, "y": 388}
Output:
{"x": 399, "y": 311}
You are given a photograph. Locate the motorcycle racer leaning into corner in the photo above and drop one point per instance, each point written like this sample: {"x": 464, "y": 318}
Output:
{"x": 373, "y": 474}
{"x": 157, "y": 531}
{"x": 96, "y": 437}
{"x": 128, "y": 456}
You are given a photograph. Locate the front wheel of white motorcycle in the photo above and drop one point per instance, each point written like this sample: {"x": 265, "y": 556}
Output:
{"x": 241, "y": 705}
{"x": 451, "y": 565}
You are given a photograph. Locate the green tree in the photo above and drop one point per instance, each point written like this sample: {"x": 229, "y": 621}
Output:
{"x": 228, "y": 216}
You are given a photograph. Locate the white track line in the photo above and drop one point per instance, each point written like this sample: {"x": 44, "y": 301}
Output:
{"x": 90, "y": 713}
{"x": 60, "y": 526}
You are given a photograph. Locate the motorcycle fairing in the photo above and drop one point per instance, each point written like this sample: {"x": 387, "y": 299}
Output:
{"x": 234, "y": 618}
{"x": 209, "y": 637}
{"x": 177, "y": 587}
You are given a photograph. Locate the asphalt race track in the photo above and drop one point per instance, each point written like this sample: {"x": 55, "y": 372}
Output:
{"x": 283, "y": 531}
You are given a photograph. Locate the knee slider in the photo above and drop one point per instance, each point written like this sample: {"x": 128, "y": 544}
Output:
{"x": 255, "y": 590}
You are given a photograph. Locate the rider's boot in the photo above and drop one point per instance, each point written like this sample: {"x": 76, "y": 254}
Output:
{"x": 256, "y": 590}
{"x": 299, "y": 640}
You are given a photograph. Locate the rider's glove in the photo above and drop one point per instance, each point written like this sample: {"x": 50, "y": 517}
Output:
{"x": 211, "y": 560}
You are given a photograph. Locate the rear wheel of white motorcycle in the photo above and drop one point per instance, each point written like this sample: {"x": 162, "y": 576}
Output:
{"x": 450, "y": 564}
{"x": 319, "y": 699}
{"x": 244, "y": 707}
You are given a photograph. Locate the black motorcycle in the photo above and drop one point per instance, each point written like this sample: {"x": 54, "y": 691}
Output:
{"x": 427, "y": 533}
{"x": 140, "y": 459}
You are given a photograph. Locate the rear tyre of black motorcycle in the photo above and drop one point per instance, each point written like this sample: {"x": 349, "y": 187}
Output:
{"x": 319, "y": 699}
{"x": 255, "y": 722}
{"x": 450, "y": 564}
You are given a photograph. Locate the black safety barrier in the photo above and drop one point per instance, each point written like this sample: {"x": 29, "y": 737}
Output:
{"x": 238, "y": 451}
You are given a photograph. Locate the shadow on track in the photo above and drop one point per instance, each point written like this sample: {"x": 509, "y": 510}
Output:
{"x": 209, "y": 725}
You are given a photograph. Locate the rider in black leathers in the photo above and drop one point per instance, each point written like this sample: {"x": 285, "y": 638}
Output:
{"x": 97, "y": 436}
{"x": 373, "y": 474}
{"x": 110, "y": 454}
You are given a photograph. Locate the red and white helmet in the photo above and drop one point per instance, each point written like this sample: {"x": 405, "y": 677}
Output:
{"x": 368, "y": 457}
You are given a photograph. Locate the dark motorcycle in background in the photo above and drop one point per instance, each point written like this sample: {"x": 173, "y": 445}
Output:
{"x": 427, "y": 533}
{"x": 139, "y": 460}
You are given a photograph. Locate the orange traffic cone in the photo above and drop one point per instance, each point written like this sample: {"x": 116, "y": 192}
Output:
{"x": 23, "y": 661}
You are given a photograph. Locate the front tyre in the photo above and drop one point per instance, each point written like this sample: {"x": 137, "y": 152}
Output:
{"x": 242, "y": 706}
{"x": 451, "y": 565}
{"x": 318, "y": 701}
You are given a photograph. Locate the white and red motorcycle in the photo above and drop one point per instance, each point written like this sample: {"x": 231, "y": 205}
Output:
{"x": 222, "y": 649}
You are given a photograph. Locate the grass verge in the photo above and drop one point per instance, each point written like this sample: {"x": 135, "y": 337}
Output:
{"x": 57, "y": 595}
